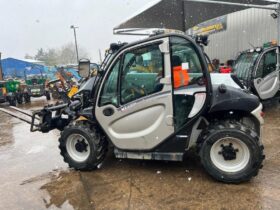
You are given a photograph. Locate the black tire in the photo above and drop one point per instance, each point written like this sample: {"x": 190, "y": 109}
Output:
{"x": 243, "y": 134}
{"x": 55, "y": 95}
{"x": 19, "y": 98}
{"x": 48, "y": 95}
{"x": 27, "y": 98}
{"x": 12, "y": 101}
{"x": 97, "y": 145}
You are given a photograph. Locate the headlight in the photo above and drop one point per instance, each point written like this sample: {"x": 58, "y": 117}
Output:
{"x": 35, "y": 90}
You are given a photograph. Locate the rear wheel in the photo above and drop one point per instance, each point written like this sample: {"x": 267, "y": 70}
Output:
{"x": 82, "y": 147}
{"x": 231, "y": 152}
{"x": 19, "y": 98}
{"x": 27, "y": 98}
{"x": 12, "y": 101}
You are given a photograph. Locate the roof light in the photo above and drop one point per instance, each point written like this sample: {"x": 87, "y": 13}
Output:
{"x": 274, "y": 42}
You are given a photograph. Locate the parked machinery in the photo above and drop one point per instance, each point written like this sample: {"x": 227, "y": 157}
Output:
{"x": 12, "y": 90}
{"x": 36, "y": 85}
{"x": 258, "y": 69}
{"x": 16, "y": 92}
{"x": 143, "y": 115}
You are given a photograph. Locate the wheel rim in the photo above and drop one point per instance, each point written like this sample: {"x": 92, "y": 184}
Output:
{"x": 230, "y": 155}
{"x": 78, "y": 147}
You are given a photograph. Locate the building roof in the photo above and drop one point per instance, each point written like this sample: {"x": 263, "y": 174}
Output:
{"x": 17, "y": 68}
{"x": 179, "y": 14}
{"x": 33, "y": 61}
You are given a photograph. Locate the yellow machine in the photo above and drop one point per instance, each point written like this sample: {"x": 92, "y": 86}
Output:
{"x": 73, "y": 90}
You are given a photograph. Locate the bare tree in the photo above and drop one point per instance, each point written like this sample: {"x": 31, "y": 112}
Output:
{"x": 60, "y": 56}
{"x": 68, "y": 54}
{"x": 40, "y": 55}
{"x": 27, "y": 56}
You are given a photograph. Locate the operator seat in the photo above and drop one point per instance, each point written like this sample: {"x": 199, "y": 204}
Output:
{"x": 140, "y": 67}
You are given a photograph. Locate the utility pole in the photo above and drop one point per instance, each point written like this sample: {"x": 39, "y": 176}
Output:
{"x": 76, "y": 44}
{"x": 1, "y": 69}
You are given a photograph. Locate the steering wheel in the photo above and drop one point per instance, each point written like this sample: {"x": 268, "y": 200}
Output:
{"x": 133, "y": 92}
{"x": 200, "y": 81}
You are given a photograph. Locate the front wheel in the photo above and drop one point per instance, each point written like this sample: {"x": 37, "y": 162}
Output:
{"x": 82, "y": 147}
{"x": 48, "y": 95}
{"x": 231, "y": 153}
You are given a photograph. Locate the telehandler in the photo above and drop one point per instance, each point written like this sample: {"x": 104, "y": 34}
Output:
{"x": 143, "y": 116}
{"x": 259, "y": 71}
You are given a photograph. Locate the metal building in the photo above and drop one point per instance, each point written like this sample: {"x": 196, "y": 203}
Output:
{"x": 244, "y": 29}
{"x": 16, "y": 68}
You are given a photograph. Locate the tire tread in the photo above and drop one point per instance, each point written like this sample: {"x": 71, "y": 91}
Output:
{"x": 232, "y": 126}
{"x": 99, "y": 142}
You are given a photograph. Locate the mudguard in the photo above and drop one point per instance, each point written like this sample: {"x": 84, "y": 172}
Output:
{"x": 226, "y": 98}
{"x": 87, "y": 113}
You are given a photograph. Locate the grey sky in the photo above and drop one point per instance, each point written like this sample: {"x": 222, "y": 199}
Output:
{"x": 27, "y": 25}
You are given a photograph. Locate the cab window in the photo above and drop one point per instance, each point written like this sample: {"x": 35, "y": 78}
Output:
{"x": 109, "y": 94}
{"x": 185, "y": 62}
{"x": 187, "y": 74}
{"x": 141, "y": 72}
{"x": 267, "y": 64}
{"x": 244, "y": 63}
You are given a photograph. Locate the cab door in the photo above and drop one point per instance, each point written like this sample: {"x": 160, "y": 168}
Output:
{"x": 266, "y": 78}
{"x": 190, "y": 95}
{"x": 135, "y": 101}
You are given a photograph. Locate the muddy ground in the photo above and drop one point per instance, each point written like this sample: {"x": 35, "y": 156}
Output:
{"x": 34, "y": 176}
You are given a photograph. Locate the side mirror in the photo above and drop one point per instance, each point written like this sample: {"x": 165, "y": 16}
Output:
{"x": 95, "y": 68}
{"x": 84, "y": 68}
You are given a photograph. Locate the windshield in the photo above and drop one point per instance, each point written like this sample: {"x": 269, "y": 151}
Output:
{"x": 244, "y": 63}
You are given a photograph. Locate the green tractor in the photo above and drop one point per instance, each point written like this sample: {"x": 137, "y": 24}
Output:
{"x": 35, "y": 85}
{"x": 14, "y": 92}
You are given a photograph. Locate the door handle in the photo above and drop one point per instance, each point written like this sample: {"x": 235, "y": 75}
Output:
{"x": 259, "y": 81}
{"x": 108, "y": 112}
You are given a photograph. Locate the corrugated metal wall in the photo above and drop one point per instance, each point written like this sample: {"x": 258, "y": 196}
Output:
{"x": 255, "y": 26}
